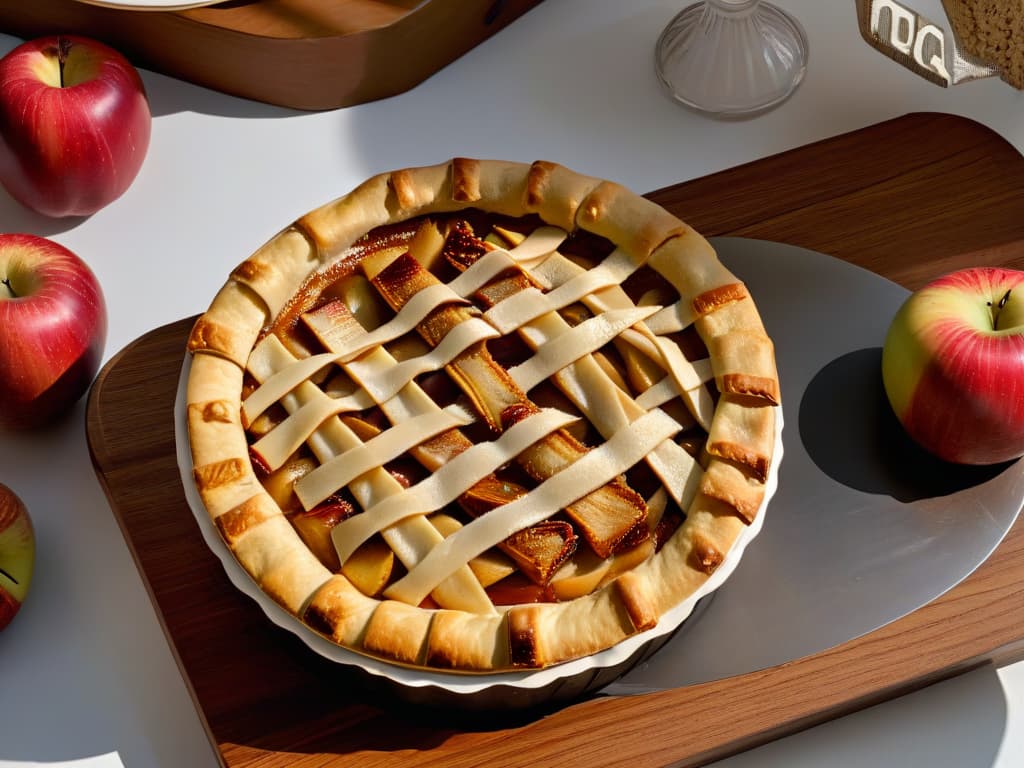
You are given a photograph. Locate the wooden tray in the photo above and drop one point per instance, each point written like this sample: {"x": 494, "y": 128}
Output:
{"x": 306, "y": 54}
{"x": 909, "y": 198}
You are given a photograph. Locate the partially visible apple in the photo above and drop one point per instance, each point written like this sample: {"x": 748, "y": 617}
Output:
{"x": 17, "y": 554}
{"x": 74, "y": 124}
{"x": 53, "y": 326}
{"x": 953, "y": 366}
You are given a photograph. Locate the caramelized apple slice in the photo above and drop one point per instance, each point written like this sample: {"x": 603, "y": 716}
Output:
{"x": 518, "y": 590}
{"x": 426, "y": 244}
{"x": 314, "y": 528}
{"x": 280, "y": 483}
{"x": 586, "y": 572}
{"x": 580, "y": 576}
{"x": 266, "y": 421}
{"x": 540, "y": 549}
{"x": 362, "y": 299}
{"x": 510, "y": 236}
{"x": 369, "y": 568}
{"x": 628, "y": 560}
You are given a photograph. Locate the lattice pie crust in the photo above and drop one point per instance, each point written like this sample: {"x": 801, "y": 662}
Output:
{"x": 482, "y": 415}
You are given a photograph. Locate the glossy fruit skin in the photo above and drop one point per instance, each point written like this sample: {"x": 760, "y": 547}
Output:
{"x": 52, "y": 332}
{"x": 71, "y": 149}
{"x": 953, "y": 366}
{"x": 17, "y": 554}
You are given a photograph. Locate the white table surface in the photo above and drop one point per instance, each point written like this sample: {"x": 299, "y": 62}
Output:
{"x": 86, "y": 675}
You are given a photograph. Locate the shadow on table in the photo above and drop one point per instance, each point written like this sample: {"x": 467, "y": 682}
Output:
{"x": 169, "y": 95}
{"x": 958, "y": 723}
{"x": 14, "y": 217}
{"x": 852, "y": 434}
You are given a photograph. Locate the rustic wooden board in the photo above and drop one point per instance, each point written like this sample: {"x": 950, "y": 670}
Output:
{"x": 909, "y": 199}
{"x": 306, "y": 54}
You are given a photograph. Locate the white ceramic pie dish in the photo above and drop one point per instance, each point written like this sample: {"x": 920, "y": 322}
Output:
{"x": 477, "y": 691}
{"x": 152, "y": 5}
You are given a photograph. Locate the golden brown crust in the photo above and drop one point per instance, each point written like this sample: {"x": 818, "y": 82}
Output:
{"x": 403, "y": 184}
{"x": 634, "y": 223}
{"x": 275, "y": 268}
{"x": 729, "y": 494}
{"x": 716, "y": 298}
{"x": 280, "y": 563}
{"x": 218, "y": 474}
{"x": 537, "y": 183}
{"x": 238, "y": 521}
{"x": 465, "y": 180}
{"x": 734, "y": 485}
{"x": 229, "y": 327}
{"x": 555, "y": 193}
{"x": 340, "y": 611}
{"x": 713, "y": 527}
{"x": 743, "y": 433}
{"x": 523, "y": 638}
{"x": 463, "y": 641}
{"x": 337, "y": 224}
{"x": 633, "y": 592}
{"x": 398, "y": 631}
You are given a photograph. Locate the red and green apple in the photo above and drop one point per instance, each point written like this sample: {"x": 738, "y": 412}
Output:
{"x": 74, "y": 124}
{"x": 17, "y": 554}
{"x": 53, "y": 327}
{"x": 953, "y": 365}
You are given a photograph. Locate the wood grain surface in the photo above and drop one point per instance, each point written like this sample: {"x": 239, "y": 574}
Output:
{"x": 305, "y": 54}
{"x": 910, "y": 198}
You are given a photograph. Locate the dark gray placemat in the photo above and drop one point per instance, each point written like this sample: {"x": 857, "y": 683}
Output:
{"x": 865, "y": 527}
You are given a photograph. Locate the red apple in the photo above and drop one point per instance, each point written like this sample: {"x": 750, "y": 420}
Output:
{"x": 74, "y": 125}
{"x": 53, "y": 325}
{"x": 953, "y": 366}
{"x": 17, "y": 554}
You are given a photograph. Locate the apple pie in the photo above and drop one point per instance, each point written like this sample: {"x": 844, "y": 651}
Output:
{"x": 482, "y": 415}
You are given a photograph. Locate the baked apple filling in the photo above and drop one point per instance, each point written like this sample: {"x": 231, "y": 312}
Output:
{"x": 453, "y": 382}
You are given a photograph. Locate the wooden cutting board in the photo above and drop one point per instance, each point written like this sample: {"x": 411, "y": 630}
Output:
{"x": 306, "y": 54}
{"x": 909, "y": 199}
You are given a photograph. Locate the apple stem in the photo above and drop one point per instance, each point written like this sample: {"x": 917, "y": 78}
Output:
{"x": 998, "y": 307}
{"x": 63, "y": 47}
{"x": 5, "y": 573}
{"x": 6, "y": 283}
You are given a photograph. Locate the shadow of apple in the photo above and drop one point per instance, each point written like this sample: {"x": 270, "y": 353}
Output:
{"x": 852, "y": 434}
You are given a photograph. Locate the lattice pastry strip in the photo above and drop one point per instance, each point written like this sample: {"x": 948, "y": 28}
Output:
{"x": 527, "y": 305}
{"x": 461, "y": 469}
{"x": 564, "y": 353}
{"x": 283, "y": 381}
{"x": 453, "y": 479}
{"x": 498, "y": 525}
{"x": 412, "y": 539}
{"x": 588, "y": 473}
{"x": 606, "y": 514}
{"x": 682, "y": 378}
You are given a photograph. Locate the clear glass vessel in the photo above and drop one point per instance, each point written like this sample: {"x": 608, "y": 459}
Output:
{"x": 731, "y": 58}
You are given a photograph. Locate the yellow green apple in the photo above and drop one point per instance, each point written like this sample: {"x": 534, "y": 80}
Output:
{"x": 953, "y": 365}
{"x": 17, "y": 554}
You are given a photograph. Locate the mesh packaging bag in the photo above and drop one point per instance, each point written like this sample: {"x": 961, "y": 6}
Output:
{"x": 949, "y": 42}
